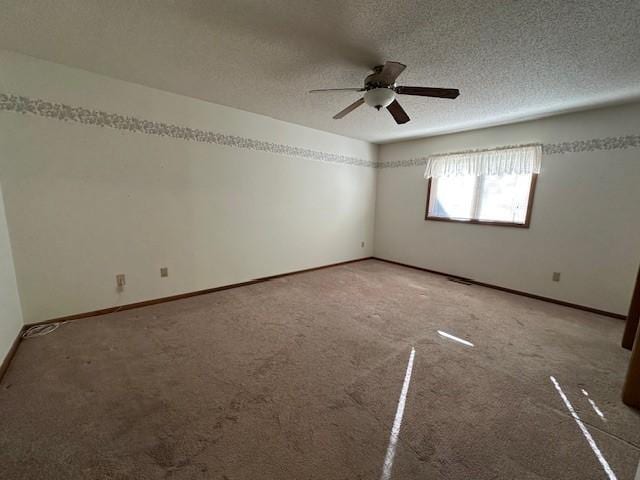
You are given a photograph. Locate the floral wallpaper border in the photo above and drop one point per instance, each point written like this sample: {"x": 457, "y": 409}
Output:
{"x": 85, "y": 116}
{"x": 607, "y": 143}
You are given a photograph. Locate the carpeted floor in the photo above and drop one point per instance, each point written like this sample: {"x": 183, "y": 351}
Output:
{"x": 299, "y": 378}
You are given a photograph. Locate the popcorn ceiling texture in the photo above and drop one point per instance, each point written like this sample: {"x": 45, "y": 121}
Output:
{"x": 511, "y": 60}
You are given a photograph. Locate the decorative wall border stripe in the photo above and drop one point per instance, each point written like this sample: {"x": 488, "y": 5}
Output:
{"x": 85, "y": 116}
{"x": 607, "y": 143}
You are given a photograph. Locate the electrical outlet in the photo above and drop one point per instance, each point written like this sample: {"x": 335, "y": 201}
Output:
{"x": 556, "y": 276}
{"x": 164, "y": 272}
{"x": 361, "y": 244}
{"x": 120, "y": 280}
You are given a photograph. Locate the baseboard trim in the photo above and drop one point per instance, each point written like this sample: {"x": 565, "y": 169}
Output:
{"x": 14, "y": 347}
{"x": 510, "y": 290}
{"x": 146, "y": 303}
{"x": 10, "y": 354}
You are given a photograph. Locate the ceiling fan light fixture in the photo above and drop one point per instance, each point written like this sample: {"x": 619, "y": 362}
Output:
{"x": 379, "y": 97}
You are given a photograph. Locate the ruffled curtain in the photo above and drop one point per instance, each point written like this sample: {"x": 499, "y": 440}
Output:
{"x": 505, "y": 161}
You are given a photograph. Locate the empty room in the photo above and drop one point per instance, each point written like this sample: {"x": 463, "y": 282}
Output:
{"x": 350, "y": 240}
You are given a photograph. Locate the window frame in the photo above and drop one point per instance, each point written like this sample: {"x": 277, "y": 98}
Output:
{"x": 496, "y": 223}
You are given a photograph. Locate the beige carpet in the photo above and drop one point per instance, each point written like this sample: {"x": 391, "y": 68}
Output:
{"x": 299, "y": 378}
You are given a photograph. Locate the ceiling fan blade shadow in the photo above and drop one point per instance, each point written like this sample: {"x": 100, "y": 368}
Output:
{"x": 398, "y": 113}
{"x": 349, "y": 109}
{"x": 429, "y": 92}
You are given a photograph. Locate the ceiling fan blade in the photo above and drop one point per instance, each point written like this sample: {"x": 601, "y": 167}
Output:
{"x": 429, "y": 92}
{"x": 337, "y": 90}
{"x": 349, "y": 109}
{"x": 390, "y": 71}
{"x": 398, "y": 113}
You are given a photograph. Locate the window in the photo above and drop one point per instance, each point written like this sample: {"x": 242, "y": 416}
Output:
{"x": 491, "y": 187}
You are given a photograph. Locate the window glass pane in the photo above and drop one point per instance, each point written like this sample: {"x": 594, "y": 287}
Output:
{"x": 504, "y": 198}
{"x": 452, "y": 197}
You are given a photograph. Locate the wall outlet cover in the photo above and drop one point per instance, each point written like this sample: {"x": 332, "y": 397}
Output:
{"x": 164, "y": 272}
{"x": 556, "y": 276}
{"x": 120, "y": 280}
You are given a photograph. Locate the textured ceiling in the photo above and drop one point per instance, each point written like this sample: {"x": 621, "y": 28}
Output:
{"x": 511, "y": 60}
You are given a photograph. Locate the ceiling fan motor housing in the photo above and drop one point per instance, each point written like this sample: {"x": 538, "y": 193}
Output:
{"x": 379, "y": 97}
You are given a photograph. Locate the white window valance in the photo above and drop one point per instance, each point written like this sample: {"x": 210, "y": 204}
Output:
{"x": 520, "y": 160}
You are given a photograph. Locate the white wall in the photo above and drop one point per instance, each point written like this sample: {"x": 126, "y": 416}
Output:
{"x": 10, "y": 312}
{"x": 84, "y": 203}
{"x": 585, "y": 223}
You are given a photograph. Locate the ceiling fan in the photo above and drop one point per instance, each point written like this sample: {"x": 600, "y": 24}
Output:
{"x": 380, "y": 91}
